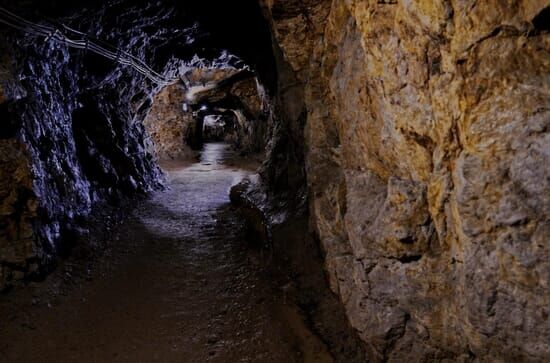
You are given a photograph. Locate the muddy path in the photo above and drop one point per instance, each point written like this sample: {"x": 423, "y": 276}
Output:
{"x": 180, "y": 284}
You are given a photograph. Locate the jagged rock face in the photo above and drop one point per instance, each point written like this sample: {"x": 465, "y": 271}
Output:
{"x": 73, "y": 139}
{"x": 170, "y": 126}
{"x": 426, "y": 145}
{"x": 251, "y": 114}
{"x": 250, "y": 93}
{"x": 74, "y": 120}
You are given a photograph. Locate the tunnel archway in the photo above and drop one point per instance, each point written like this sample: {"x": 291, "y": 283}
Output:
{"x": 181, "y": 116}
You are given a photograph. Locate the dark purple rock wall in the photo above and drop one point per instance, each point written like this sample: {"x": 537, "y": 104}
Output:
{"x": 71, "y": 136}
{"x": 75, "y": 121}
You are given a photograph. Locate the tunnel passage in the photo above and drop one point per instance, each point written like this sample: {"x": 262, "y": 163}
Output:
{"x": 69, "y": 106}
{"x": 221, "y": 126}
{"x": 404, "y": 161}
{"x": 184, "y": 115}
{"x": 94, "y": 132}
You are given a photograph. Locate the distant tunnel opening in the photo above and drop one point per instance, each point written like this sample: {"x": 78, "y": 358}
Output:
{"x": 215, "y": 104}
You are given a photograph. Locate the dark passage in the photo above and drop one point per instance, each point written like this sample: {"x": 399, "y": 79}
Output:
{"x": 181, "y": 285}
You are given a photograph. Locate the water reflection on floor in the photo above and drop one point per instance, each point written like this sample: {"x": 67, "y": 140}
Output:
{"x": 179, "y": 286}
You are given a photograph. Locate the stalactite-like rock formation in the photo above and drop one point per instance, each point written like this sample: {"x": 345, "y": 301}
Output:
{"x": 426, "y": 140}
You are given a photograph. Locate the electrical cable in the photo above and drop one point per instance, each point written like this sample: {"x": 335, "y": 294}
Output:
{"x": 60, "y": 32}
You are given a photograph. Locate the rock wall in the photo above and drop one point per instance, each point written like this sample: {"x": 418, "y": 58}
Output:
{"x": 426, "y": 150}
{"x": 251, "y": 114}
{"x": 71, "y": 139}
{"x": 170, "y": 126}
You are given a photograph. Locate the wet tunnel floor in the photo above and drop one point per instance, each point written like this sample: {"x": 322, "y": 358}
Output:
{"x": 180, "y": 284}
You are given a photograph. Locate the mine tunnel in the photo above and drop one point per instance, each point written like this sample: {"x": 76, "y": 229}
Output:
{"x": 274, "y": 181}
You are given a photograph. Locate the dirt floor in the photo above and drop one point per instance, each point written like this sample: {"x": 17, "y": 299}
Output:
{"x": 178, "y": 284}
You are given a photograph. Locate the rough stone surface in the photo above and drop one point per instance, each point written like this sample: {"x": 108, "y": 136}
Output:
{"x": 18, "y": 206}
{"x": 250, "y": 93}
{"x": 251, "y": 114}
{"x": 426, "y": 145}
{"x": 170, "y": 126}
{"x": 71, "y": 139}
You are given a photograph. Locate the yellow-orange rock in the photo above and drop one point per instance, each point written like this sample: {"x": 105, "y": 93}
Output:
{"x": 427, "y": 148}
{"x": 169, "y": 125}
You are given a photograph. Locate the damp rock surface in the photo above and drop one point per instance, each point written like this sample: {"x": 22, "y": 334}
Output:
{"x": 179, "y": 284}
